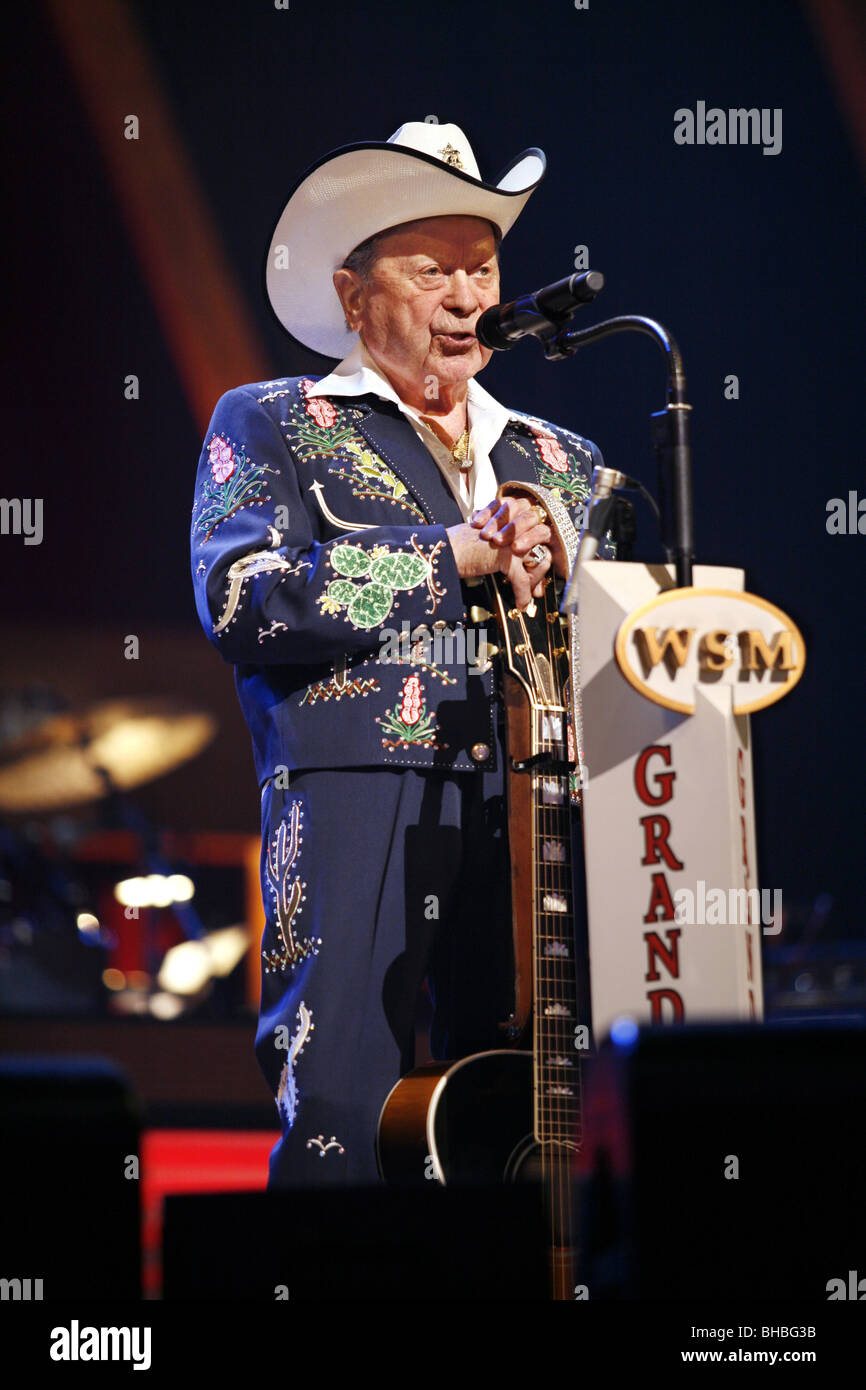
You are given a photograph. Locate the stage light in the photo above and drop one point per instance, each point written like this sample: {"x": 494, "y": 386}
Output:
{"x": 154, "y": 890}
{"x": 181, "y": 887}
{"x": 165, "y": 1006}
{"x": 624, "y": 1031}
{"x": 226, "y": 946}
{"x": 186, "y": 968}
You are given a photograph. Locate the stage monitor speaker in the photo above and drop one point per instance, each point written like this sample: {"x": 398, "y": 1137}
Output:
{"x": 69, "y": 1176}
{"x": 356, "y": 1243}
{"x": 724, "y": 1162}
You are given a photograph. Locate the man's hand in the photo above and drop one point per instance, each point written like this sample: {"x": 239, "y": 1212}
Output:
{"x": 498, "y": 537}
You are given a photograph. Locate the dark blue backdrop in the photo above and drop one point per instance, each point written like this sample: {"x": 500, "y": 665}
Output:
{"x": 754, "y": 262}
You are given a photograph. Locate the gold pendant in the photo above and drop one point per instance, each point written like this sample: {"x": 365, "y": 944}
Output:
{"x": 460, "y": 452}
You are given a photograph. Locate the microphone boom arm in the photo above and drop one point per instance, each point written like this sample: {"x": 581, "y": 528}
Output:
{"x": 671, "y": 433}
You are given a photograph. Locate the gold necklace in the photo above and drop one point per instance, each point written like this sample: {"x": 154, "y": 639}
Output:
{"x": 460, "y": 452}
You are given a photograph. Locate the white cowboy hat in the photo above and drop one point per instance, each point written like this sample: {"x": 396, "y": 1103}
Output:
{"x": 423, "y": 170}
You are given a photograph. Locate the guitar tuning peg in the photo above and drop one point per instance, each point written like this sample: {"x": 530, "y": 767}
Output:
{"x": 478, "y": 614}
{"x": 483, "y": 661}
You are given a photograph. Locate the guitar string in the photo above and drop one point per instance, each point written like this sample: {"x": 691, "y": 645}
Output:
{"x": 554, "y": 1118}
{"x": 554, "y": 1193}
{"x": 556, "y": 1176}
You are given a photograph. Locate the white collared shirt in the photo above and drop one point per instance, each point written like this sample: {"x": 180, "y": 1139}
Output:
{"x": 358, "y": 374}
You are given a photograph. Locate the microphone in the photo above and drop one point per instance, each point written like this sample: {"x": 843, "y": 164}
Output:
{"x": 598, "y": 513}
{"x": 541, "y": 313}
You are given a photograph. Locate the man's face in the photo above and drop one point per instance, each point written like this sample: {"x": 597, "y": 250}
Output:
{"x": 417, "y": 312}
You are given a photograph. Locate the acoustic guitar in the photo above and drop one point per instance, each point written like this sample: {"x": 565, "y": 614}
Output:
{"x": 511, "y": 1114}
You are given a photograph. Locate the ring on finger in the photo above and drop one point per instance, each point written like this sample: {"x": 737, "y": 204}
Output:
{"x": 536, "y": 556}
{"x": 540, "y": 513}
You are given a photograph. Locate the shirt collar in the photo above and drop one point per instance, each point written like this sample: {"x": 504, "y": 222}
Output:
{"x": 358, "y": 375}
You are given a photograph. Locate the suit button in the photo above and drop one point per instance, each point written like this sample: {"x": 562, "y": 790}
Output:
{"x": 479, "y": 752}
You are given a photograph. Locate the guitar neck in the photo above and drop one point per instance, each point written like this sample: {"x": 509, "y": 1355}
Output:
{"x": 535, "y": 652}
{"x": 536, "y": 657}
{"x": 556, "y": 1041}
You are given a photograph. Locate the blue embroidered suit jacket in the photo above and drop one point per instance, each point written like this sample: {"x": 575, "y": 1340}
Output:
{"x": 323, "y": 572}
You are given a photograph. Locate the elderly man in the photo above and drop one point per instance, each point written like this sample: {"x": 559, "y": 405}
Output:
{"x": 332, "y": 514}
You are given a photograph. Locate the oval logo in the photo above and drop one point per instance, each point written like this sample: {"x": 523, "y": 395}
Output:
{"x": 685, "y": 638}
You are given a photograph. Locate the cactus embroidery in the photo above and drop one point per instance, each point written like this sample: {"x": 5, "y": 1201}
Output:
{"x": 287, "y": 891}
{"x": 368, "y": 581}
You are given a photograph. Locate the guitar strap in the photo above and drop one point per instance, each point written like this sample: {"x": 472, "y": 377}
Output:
{"x": 562, "y": 526}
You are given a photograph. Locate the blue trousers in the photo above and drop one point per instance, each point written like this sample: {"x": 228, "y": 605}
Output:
{"x": 373, "y": 880}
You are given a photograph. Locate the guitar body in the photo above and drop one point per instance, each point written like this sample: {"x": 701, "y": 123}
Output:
{"x": 470, "y": 1122}
{"x": 459, "y": 1122}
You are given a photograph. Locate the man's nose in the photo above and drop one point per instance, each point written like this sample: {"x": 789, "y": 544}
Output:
{"x": 460, "y": 295}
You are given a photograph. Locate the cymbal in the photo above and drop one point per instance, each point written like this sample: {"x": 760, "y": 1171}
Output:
{"x": 73, "y": 758}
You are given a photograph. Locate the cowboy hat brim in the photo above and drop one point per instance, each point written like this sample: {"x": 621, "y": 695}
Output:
{"x": 356, "y": 192}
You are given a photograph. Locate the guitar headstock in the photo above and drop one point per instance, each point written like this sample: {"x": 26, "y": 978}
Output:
{"x": 535, "y": 642}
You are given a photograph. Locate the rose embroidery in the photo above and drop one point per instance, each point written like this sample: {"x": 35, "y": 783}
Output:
{"x": 222, "y": 459}
{"x": 322, "y": 411}
{"x": 236, "y": 482}
{"x": 552, "y": 453}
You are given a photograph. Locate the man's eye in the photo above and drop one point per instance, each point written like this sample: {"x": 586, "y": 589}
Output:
{"x": 431, "y": 270}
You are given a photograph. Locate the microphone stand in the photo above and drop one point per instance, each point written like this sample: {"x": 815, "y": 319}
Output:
{"x": 670, "y": 433}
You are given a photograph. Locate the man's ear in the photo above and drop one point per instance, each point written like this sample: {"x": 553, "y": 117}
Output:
{"x": 350, "y": 290}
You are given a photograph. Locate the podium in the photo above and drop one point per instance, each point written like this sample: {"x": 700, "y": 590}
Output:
{"x": 668, "y": 679}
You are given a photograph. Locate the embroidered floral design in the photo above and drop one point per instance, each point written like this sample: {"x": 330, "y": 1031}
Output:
{"x": 410, "y": 705}
{"x": 236, "y": 482}
{"x": 222, "y": 459}
{"x": 372, "y": 470}
{"x": 318, "y": 430}
{"x": 553, "y": 454}
{"x": 383, "y": 574}
{"x": 317, "y": 424}
{"x": 287, "y": 1092}
{"x": 559, "y": 470}
{"x": 410, "y": 723}
{"x": 287, "y": 891}
{"x": 323, "y": 412}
